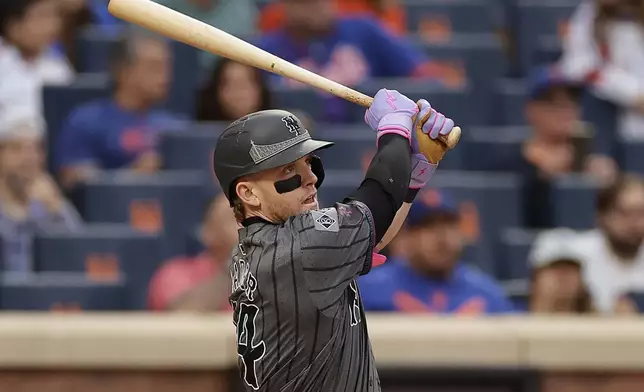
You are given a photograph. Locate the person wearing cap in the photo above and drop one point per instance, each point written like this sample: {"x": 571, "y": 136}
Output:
{"x": 425, "y": 272}
{"x": 558, "y": 144}
{"x": 30, "y": 201}
{"x": 557, "y": 285}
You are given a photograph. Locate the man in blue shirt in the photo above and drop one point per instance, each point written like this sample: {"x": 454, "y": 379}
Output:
{"x": 122, "y": 131}
{"x": 348, "y": 50}
{"x": 425, "y": 273}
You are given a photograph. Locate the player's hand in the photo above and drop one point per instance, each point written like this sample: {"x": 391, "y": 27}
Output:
{"x": 421, "y": 171}
{"x": 434, "y": 124}
{"x": 429, "y": 126}
{"x": 391, "y": 112}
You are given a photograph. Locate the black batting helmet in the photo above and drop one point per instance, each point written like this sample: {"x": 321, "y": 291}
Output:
{"x": 260, "y": 141}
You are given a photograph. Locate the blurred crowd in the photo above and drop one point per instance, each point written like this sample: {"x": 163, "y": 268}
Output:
{"x": 107, "y": 201}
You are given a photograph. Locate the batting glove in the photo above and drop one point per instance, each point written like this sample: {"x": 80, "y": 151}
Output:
{"x": 437, "y": 124}
{"x": 391, "y": 112}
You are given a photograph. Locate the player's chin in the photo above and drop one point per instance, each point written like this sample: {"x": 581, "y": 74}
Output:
{"x": 310, "y": 203}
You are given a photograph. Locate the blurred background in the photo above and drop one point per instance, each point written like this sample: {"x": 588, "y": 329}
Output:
{"x": 108, "y": 202}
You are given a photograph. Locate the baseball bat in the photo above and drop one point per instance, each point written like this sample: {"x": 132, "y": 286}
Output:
{"x": 182, "y": 28}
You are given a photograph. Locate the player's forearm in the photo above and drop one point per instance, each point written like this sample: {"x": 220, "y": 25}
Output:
{"x": 386, "y": 183}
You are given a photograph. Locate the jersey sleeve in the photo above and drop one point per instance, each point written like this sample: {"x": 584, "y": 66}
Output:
{"x": 336, "y": 246}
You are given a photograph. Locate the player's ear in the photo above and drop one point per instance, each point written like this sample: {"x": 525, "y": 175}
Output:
{"x": 246, "y": 193}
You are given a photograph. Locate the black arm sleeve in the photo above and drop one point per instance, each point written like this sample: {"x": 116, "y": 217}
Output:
{"x": 386, "y": 183}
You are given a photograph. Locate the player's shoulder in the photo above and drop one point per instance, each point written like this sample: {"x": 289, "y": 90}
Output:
{"x": 331, "y": 219}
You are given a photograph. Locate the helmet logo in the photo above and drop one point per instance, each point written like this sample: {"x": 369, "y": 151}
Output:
{"x": 292, "y": 125}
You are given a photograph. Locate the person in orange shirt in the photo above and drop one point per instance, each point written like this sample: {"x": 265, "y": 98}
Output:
{"x": 200, "y": 283}
{"x": 388, "y": 12}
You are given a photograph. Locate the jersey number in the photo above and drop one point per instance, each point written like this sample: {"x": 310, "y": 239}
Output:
{"x": 248, "y": 353}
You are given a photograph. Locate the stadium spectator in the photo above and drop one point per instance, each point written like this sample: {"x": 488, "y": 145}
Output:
{"x": 237, "y": 17}
{"x": 425, "y": 273}
{"x": 348, "y": 50}
{"x": 121, "y": 131}
{"x": 28, "y": 28}
{"x": 559, "y": 144}
{"x": 30, "y": 201}
{"x": 605, "y": 48}
{"x": 201, "y": 283}
{"x": 390, "y": 14}
{"x": 612, "y": 254}
{"x": 557, "y": 284}
{"x": 233, "y": 91}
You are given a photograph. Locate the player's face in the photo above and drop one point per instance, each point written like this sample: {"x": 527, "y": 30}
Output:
{"x": 435, "y": 246}
{"x": 278, "y": 207}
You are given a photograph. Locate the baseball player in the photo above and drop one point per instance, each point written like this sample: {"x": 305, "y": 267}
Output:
{"x": 299, "y": 319}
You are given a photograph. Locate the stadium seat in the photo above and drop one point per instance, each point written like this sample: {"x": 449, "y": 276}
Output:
{"x": 482, "y": 145}
{"x": 103, "y": 251}
{"x": 633, "y": 156}
{"x": 338, "y": 184}
{"x": 307, "y": 100}
{"x": 537, "y": 18}
{"x": 61, "y": 292}
{"x": 59, "y": 101}
{"x": 514, "y": 247}
{"x": 190, "y": 150}
{"x": 94, "y": 56}
{"x": 476, "y": 16}
{"x": 573, "y": 200}
{"x": 171, "y": 203}
{"x": 510, "y": 102}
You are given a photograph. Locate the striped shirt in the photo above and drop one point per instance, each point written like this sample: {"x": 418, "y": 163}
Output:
{"x": 297, "y": 309}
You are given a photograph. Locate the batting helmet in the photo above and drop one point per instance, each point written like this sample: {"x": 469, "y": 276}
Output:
{"x": 260, "y": 141}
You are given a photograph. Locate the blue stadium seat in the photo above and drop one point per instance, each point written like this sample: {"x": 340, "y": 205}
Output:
{"x": 353, "y": 143}
{"x": 482, "y": 145}
{"x": 476, "y": 16}
{"x": 537, "y": 18}
{"x": 338, "y": 184}
{"x": 483, "y": 61}
{"x": 510, "y": 101}
{"x": 307, "y": 99}
{"x": 190, "y": 150}
{"x": 103, "y": 251}
{"x": 514, "y": 247}
{"x": 169, "y": 202}
{"x": 573, "y": 200}
{"x": 638, "y": 298}
{"x": 59, "y": 101}
{"x": 62, "y": 292}
{"x": 632, "y": 155}
{"x": 94, "y": 56}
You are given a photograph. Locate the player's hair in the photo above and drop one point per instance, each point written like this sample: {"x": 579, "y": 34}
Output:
{"x": 239, "y": 210}
{"x": 607, "y": 196}
{"x": 11, "y": 10}
{"x": 124, "y": 51}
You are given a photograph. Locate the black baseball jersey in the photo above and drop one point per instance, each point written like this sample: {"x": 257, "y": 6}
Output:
{"x": 297, "y": 309}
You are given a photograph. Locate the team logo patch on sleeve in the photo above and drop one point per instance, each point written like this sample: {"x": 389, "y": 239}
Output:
{"x": 326, "y": 220}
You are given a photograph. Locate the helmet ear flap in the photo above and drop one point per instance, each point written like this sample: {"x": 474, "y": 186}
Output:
{"x": 318, "y": 169}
